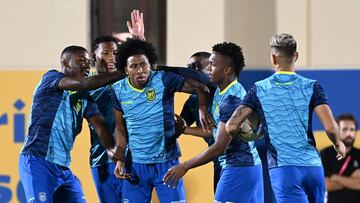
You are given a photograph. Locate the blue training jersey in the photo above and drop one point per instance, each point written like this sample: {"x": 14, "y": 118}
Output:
{"x": 149, "y": 116}
{"x": 239, "y": 152}
{"x": 102, "y": 97}
{"x": 55, "y": 119}
{"x": 286, "y": 101}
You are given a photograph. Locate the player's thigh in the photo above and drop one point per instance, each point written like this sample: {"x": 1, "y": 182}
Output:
{"x": 171, "y": 194}
{"x": 314, "y": 183}
{"x": 71, "y": 190}
{"x": 240, "y": 184}
{"x": 108, "y": 187}
{"x": 287, "y": 184}
{"x": 39, "y": 178}
{"x": 139, "y": 192}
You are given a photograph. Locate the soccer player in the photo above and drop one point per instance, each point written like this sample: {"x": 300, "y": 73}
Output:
{"x": 144, "y": 115}
{"x": 107, "y": 185}
{"x": 342, "y": 178}
{"x": 241, "y": 176}
{"x": 190, "y": 113}
{"x": 58, "y": 108}
{"x": 286, "y": 102}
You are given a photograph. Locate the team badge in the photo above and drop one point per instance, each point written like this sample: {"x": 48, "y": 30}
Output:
{"x": 42, "y": 196}
{"x": 150, "y": 94}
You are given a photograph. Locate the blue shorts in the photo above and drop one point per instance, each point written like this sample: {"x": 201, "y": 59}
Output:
{"x": 144, "y": 177}
{"x": 240, "y": 184}
{"x": 44, "y": 181}
{"x": 108, "y": 187}
{"x": 298, "y": 183}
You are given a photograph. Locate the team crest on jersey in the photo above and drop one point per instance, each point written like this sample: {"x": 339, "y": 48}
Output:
{"x": 42, "y": 196}
{"x": 150, "y": 94}
{"x": 76, "y": 101}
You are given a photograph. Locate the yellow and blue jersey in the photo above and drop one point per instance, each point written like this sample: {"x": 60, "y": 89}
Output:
{"x": 286, "y": 102}
{"x": 149, "y": 116}
{"x": 239, "y": 152}
{"x": 56, "y": 119}
{"x": 102, "y": 97}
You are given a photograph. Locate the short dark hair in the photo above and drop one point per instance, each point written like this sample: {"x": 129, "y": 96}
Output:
{"x": 348, "y": 117}
{"x": 133, "y": 46}
{"x": 71, "y": 50}
{"x": 202, "y": 54}
{"x": 284, "y": 44}
{"x": 235, "y": 54}
{"x": 101, "y": 39}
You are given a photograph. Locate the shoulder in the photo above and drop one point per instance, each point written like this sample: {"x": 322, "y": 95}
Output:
{"x": 264, "y": 84}
{"x": 53, "y": 74}
{"x": 230, "y": 101}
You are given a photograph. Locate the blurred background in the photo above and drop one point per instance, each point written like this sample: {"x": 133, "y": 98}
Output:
{"x": 34, "y": 32}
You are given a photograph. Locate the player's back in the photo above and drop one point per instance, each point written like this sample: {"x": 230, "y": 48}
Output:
{"x": 287, "y": 102}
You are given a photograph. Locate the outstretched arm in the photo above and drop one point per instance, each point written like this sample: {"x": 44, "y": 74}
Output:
{"x": 233, "y": 126}
{"x": 325, "y": 115}
{"x": 173, "y": 175}
{"x": 88, "y": 83}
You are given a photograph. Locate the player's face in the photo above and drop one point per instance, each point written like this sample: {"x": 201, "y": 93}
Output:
{"x": 79, "y": 64}
{"x": 138, "y": 70}
{"x": 216, "y": 67}
{"x": 198, "y": 63}
{"x": 105, "y": 58}
{"x": 347, "y": 132}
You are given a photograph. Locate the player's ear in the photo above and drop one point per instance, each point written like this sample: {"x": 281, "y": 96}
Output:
{"x": 273, "y": 59}
{"x": 296, "y": 56}
{"x": 227, "y": 70}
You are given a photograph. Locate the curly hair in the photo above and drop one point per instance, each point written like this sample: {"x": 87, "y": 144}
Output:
{"x": 101, "y": 39}
{"x": 234, "y": 52}
{"x": 283, "y": 43}
{"x": 133, "y": 46}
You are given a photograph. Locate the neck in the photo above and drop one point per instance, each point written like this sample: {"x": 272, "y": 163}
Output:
{"x": 226, "y": 82}
{"x": 285, "y": 68}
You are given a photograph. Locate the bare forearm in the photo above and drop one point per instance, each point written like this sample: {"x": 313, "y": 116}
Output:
{"x": 105, "y": 138}
{"x": 205, "y": 157}
{"x": 348, "y": 182}
{"x": 197, "y": 131}
{"x": 121, "y": 141}
{"x": 332, "y": 186}
{"x": 233, "y": 126}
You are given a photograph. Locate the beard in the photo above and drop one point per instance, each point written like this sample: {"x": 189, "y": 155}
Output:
{"x": 348, "y": 142}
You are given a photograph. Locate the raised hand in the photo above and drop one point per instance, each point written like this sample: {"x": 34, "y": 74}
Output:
{"x": 136, "y": 25}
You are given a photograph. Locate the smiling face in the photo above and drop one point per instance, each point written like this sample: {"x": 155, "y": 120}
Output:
{"x": 78, "y": 64}
{"x": 105, "y": 58}
{"x": 138, "y": 70}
